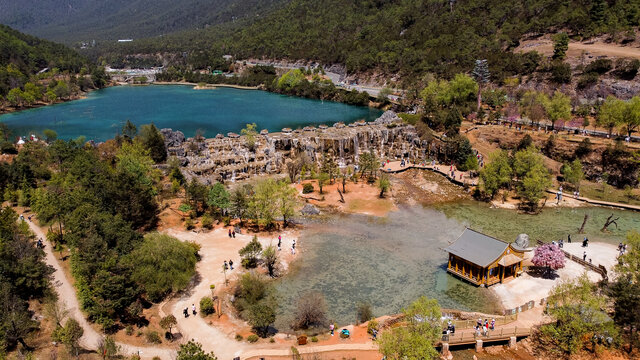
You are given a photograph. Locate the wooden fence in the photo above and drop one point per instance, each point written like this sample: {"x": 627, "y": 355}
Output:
{"x": 493, "y": 335}
{"x": 469, "y": 324}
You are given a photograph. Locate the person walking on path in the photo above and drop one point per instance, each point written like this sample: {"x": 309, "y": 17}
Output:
{"x": 193, "y": 309}
{"x": 279, "y": 242}
{"x": 229, "y": 233}
{"x": 226, "y": 267}
{"x": 569, "y": 238}
{"x": 233, "y": 233}
{"x": 231, "y": 264}
{"x": 584, "y": 256}
{"x": 332, "y": 328}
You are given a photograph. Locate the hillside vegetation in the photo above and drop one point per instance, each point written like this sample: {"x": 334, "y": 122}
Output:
{"x": 71, "y": 21}
{"x": 406, "y": 37}
{"x": 23, "y": 57}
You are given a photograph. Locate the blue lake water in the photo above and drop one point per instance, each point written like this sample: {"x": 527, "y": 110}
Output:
{"x": 101, "y": 115}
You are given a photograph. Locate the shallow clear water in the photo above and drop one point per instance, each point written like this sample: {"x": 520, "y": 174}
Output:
{"x": 389, "y": 262}
{"x": 101, "y": 115}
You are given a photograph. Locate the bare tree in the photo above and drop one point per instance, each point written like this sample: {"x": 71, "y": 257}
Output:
{"x": 311, "y": 311}
{"x": 609, "y": 222}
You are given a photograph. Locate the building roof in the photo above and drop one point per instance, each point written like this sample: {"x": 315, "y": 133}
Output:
{"x": 509, "y": 259}
{"x": 477, "y": 248}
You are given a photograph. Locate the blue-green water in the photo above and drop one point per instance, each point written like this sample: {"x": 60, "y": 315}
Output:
{"x": 101, "y": 115}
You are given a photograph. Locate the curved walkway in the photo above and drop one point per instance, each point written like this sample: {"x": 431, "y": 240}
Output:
{"x": 598, "y": 202}
{"x": 457, "y": 177}
{"x": 67, "y": 296}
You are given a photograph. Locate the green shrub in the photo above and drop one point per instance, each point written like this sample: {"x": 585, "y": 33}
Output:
{"x": 206, "y": 306}
{"x": 184, "y": 208}
{"x": 239, "y": 337}
{"x": 207, "y": 221}
{"x": 307, "y": 188}
{"x": 599, "y": 66}
{"x": 587, "y": 80}
{"x": 128, "y": 330}
{"x": 153, "y": 337}
{"x": 373, "y": 325}
{"x": 188, "y": 224}
{"x": 252, "y": 338}
{"x": 314, "y": 339}
{"x": 272, "y": 340}
{"x": 364, "y": 312}
{"x": 561, "y": 72}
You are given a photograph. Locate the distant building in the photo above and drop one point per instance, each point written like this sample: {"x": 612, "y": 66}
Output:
{"x": 125, "y": 40}
{"x": 484, "y": 260}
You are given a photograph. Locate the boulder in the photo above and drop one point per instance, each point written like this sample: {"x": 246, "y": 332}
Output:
{"x": 172, "y": 138}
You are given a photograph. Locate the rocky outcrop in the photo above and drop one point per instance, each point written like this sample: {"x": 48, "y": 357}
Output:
{"x": 229, "y": 158}
{"x": 309, "y": 209}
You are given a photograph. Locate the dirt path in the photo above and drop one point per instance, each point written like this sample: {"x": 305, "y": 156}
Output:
{"x": 67, "y": 295}
{"x": 545, "y": 47}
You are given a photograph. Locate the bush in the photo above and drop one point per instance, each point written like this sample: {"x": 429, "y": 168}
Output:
{"x": 311, "y": 311}
{"x": 272, "y": 340}
{"x": 599, "y": 66}
{"x": 584, "y": 148}
{"x": 206, "y": 306}
{"x": 307, "y": 188}
{"x": 314, "y": 339}
{"x": 128, "y": 330}
{"x": 587, "y": 80}
{"x": 373, "y": 325}
{"x": 207, "y": 221}
{"x": 364, "y": 312}
{"x": 252, "y": 338}
{"x": 561, "y": 73}
{"x": 153, "y": 337}
{"x": 627, "y": 69}
{"x": 239, "y": 337}
{"x": 188, "y": 224}
{"x": 185, "y": 208}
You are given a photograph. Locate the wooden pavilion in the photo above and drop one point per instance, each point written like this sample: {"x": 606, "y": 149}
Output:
{"x": 484, "y": 260}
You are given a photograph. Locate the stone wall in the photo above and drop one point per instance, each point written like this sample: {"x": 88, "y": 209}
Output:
{"x": 227, "y": 158}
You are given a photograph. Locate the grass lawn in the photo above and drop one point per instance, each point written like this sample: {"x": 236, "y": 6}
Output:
{"x": 595, "y": 191}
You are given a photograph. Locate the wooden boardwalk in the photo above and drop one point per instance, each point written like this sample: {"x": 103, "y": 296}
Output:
{"x": 457, "y": 177}
{"x": 468, "y": 337}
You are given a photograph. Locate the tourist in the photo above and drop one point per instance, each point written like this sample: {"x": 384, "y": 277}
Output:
{"x": 229, "y": 233}
{"x": 225, "y": 266}
{"x": 331, "y": 328}
{"x": 231, "y": 264}
{"x": 569, "y": 238}
{"x": 233, "y": 233}
{"x": 585, "y": 242}
{"x": 193, "y": 309}
{"x": 584, "y": 256}
{"x": 561, "y": 244}
{"x": 493, "y": 324}
{"x": 186, "y": 312}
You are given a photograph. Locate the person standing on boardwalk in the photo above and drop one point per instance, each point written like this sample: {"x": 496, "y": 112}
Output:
{"x": 584, "y": 256}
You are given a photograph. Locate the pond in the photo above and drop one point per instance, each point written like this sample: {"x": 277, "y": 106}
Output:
{"x": 101, "y": 115}
{"x": 389, "y": 262}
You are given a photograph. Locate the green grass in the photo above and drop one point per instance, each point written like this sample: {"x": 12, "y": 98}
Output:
{"x": 595, "y": 191}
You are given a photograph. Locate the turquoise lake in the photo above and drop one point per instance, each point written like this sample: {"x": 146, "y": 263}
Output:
{"x": 101, "y": 115}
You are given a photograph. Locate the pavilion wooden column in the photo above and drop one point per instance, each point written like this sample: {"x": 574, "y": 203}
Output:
{"x": 501, "y": 273}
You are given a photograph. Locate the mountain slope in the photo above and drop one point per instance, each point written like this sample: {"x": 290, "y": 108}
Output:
{"x": 405, "y": 37}
{"x": 84, "y": 20}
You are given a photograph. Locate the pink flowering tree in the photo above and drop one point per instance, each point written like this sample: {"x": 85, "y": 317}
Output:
{"x": 548, "y": 256}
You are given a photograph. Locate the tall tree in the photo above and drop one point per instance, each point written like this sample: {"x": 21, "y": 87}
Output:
{"x": 416, "y": 340}
{"x": 218, "y": 198}
{"x": 611, "y": 113}
{"x": 153, "y": 140}
{"x": 558, "y": 107}
{"x": 482, "y": 76}
{"x": 560, "y": 45}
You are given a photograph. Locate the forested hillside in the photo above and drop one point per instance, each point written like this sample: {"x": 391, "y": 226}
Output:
{"x": 406, "y": 37}
{"x": 32, "y": 69}
{"x": 71, "y": 21}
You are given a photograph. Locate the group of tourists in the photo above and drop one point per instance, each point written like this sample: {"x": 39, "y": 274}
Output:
{"x": 232, "y": 233}
{"x": 185, "y": 312}
{"x": 484, "y": 327}
{"x": 228, "y": 266}
{"x": 293, "y": 245}
{"x": 622, "y": 248}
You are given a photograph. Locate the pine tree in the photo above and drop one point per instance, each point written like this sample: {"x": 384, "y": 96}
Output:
{"x": 481, "y": 75}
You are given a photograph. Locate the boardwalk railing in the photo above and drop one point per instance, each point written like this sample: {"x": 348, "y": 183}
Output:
{"x": 493, "y": 335}
{"x": 599, "y": 269}
{"x": 500, "y": 321}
